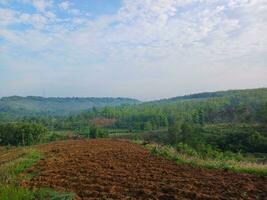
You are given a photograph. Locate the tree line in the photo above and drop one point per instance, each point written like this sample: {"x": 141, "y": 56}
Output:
{"x": 21, "y": 134}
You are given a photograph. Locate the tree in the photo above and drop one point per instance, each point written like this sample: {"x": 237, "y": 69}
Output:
{"x": 174, "y": 132}
{"x": 262, "y": 113}
{"x": 147, "y": 126}
{"x": 198, "y": 117}
{"x": 93, "y": 132}
{"x": 189, "y": 134}
{"x": 21, "y": 133}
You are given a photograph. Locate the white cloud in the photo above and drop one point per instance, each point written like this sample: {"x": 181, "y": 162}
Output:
{"x": 65, "y": 5}
{"x": 42, "y": 5}
{"x": 50, "y": 15}
{"x": 156, "y": 44}
{"x": 7, "y": 16}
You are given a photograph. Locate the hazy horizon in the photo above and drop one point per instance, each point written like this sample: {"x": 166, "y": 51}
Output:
{"x": 146, "y": 50}
{"x": 142, "y": 100}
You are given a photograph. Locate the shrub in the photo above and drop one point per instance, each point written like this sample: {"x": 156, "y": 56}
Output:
{"x": 20, "y": 133}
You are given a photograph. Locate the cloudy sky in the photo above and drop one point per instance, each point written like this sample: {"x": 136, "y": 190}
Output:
{"x": 146, "y": 49}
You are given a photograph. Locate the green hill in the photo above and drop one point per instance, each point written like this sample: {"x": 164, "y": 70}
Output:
{"x": 234, "y": 106}
{"x": 248, "y": 94}
{"x": 32, "y": 105}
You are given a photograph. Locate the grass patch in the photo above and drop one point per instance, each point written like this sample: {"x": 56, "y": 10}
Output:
{"x": 238, "y": 166}
{"x": 58, "y": 136}
{"x": 21, "y": 160}
{"x": 47, "y": 193}
{"x": 8, "y": 192}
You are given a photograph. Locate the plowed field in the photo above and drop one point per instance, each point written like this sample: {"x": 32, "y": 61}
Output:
{"x": 110, "y": 169}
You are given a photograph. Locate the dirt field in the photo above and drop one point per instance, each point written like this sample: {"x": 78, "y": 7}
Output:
{"x": 110, "y": 169}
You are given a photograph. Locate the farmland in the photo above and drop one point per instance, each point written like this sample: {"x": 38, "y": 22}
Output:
{"x": 116, "y": 169}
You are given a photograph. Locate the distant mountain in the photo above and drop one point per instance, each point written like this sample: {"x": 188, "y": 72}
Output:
{"x": 16, "y": 106}
{"x": 252, "y": 94}
{"x": 33, "y": 105}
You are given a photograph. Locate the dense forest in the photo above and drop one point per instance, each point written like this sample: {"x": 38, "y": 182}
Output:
{"x": 16, "y": 106}
{"x": 230, "y": 121}
{"x": 233, "y": 120}
{"x": 240, "y": 106}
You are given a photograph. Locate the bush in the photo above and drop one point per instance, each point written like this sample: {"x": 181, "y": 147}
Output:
{"x": 184, "y": 148}
{"x": 96, "y": 132}
{"x": 243, "y": 141}
{"x": 20, "y": 133}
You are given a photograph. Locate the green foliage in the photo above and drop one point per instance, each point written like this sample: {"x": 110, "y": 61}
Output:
{"x": 262, "y": 113}
{"x": 96, "y": 132}
{"x": 102, "y": 133}
{"x": 17, "y": 106}
{"x": 184, "y": 132}
{"x": 148, "y": 126}
{"x": 243, "y": 138}
{"x": 240, "y": 106}
{"x": 59, "y": 135}
{"x": 240, "y": 141}
{"x": 236, "y": 137}
{"x": 158, "y": 136}
{"x": 20, "y": 133}
{"x": 174, "y": 132}
{"x": 186, "y": 154}
{"x": 198, "y": 117}
{"x": 93, "y": 132}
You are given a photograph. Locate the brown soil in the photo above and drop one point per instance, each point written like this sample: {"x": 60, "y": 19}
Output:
{"x": 111, "y": 169}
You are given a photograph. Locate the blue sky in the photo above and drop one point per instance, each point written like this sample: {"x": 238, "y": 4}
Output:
{"x": 132, "y": 48}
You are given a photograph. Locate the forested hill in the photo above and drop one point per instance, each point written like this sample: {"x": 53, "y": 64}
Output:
{"x": 260, "y": 94}
{"x": 222, "y": 106}
{"x": 32, "y": 105}
{"x": 236, "y": 106}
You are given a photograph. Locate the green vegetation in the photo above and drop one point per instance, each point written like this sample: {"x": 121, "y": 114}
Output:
{"x": 227, "y": 121}
{"x": 8, "y": 192}
{"x": 14, "y": 162}
{"x": 211, "y": 159}
{"x": 51, "y": 136}
{"x": 21, "y": 133}
{"x": 16, "y": 107}
{"x": 241, "y": 106}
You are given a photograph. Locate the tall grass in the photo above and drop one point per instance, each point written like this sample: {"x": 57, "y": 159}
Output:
{"x": 14, "y": 162}
{"x": 8, "y": 192}
{"x": 187, "y": 155}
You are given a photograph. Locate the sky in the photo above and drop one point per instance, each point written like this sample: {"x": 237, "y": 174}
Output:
{"x": 145, "y": 49}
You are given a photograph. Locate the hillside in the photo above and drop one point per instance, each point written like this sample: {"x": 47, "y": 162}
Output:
{"x": 239, "y": 106}
{"x": 258, "y": 93}
{"x": 25, "y": 106}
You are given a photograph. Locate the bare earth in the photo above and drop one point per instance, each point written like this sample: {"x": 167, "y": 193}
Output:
{"x": 113, "y": 169}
